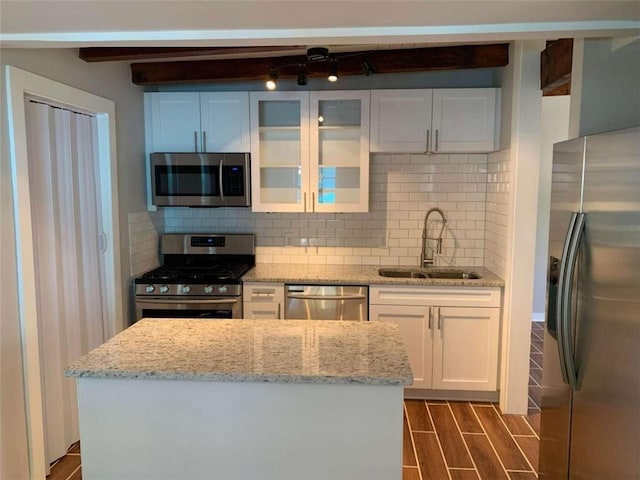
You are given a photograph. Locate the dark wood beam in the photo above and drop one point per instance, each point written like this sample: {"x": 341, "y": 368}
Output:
{"x": 555, "y": 66}
{"x": 383, "y": 61}
{"x": 110, "y": 54}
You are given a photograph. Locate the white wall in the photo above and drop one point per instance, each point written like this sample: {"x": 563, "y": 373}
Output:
{"x": 524, "y": 69}
{"x": 107, "y": 80}
{"x": 610, "y": 96}
{"x": 554, "y": 128}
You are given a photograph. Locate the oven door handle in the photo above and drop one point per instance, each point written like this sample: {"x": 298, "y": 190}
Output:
{"x": 156, "y": 300}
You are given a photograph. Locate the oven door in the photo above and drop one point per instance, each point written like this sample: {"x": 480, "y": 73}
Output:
{"x": 182, "y": 307}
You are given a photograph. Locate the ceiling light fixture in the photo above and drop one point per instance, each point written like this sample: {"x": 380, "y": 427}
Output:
{"x": 272, "y": 83}
{"x": 314, "y": 55}
{"x": 333, "y": 71}
{"x": 367, "y": 67}
{"x": 302, "y": 76}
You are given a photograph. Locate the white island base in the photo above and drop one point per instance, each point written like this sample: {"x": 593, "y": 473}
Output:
{"x": 177, "y": 429}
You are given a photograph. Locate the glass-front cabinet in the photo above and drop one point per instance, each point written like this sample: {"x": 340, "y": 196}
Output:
{"x": 279, "y": 151}
{"x": 339, "y": 151}
{"x": 310, "y": 151}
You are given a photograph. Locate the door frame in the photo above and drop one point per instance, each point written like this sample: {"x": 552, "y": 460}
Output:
{"x": 19, "y": 84}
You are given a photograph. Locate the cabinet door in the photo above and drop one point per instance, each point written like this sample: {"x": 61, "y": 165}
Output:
{"x": 224, "y": 121}
{"x": 262, "y": 310}
{"x": 172, "y": 122}
{"x": 416, "y": 334}
{"x": 465, "y": 348}
{"x": 465, "y": 120}
{"x": 339, "y": 151}
{"x": 400, "y": 120}
{"x": 279, "y": 151}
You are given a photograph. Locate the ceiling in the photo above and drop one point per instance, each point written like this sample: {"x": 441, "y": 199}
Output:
{"x": 65, "y": 23}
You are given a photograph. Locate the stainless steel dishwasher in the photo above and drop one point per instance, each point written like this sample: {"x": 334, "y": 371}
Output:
{"x": 327, "y": 302}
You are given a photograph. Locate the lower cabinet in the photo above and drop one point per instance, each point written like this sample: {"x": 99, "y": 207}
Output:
{"x": 262, "y": 301}
{"x": 451, "y": 334}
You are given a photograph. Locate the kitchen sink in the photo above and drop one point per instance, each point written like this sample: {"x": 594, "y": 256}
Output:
{"x": 398, "y": 273}
{"x": 420, "y": 273}
{"x": 456, "y": 274}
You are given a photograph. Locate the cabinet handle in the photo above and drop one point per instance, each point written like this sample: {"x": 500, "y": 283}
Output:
{"x": 195, "y": 142}
{"x": 428, "y": 138}
{"x": 278, "y": 314}
{"x": 436, "y": 140}
{"x": 439, "y": 320}
{"x": 430, "y": 318}
{"x": 313, "y": 202}
{"x": 204, "y": 141}
{"x": 305, "y": 201}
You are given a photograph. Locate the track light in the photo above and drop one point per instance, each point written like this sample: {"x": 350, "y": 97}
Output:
{"x": 333, "y": 71}
{"x": 272, "y": 83}
{"x": 302, "y": 76}
{"x": 367, "y": 68}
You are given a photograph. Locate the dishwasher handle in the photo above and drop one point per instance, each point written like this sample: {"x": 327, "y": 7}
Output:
{"x": 327, "y": 297}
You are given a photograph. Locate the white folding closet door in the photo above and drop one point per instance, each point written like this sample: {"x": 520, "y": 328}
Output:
{"x": 63, "y": 186}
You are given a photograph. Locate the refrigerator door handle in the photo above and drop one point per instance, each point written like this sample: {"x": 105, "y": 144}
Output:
{"x": 566, "y": 301}
{"x": 560, "y": 310}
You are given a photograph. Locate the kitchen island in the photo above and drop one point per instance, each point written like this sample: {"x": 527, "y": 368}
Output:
{"x": 243, "y": 399}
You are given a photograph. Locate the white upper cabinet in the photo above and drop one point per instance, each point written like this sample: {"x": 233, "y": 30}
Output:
{"x": 224, "y": 120}
{"x": 461, "y": 120}
{"x": 400, "y": 120}
{"x": 310, "y": 151}
{"x": 466, "y": 120}
{"x": 172, "y": 122}
{"x": 197, "y": 122}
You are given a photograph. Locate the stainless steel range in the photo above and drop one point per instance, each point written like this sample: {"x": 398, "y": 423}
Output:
{"x": 199, "y": 278}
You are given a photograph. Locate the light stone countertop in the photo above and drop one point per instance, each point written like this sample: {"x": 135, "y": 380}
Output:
{"x": 280, "y": 351}
{"x": 362, "y": 275}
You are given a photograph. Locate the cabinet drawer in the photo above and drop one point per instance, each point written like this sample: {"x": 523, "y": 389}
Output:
{"x": 263, "y": 292}
{"x": 440, "y": 296}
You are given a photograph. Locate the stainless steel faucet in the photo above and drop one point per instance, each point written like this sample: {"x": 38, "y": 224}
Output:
{"x": 424, "y": 259}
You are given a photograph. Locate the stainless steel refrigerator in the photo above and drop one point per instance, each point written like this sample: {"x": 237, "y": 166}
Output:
{"x": 590, "y": 424}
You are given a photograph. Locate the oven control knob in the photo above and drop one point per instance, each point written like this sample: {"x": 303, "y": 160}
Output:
{"x": 164, "y": 289}
{"x": 186, "y": 289}
{"x": 150, "y": 289}
{"x": 208, "y": 289}
{"x": 222, "y": 289}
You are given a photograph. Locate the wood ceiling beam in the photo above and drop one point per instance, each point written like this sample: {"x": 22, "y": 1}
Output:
{"x": 383, "y": 61}
{"x": 555, "y": 67}
{"x": 110, "y": 54}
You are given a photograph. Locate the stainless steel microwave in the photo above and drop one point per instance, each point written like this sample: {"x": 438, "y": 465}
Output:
{"x": 201, "y": 179}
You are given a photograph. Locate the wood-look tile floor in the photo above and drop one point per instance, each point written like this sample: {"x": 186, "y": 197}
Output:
{"x": 467, "y": 440}
{"x": 535, "y": 366}
{"x": 67, "y": 467}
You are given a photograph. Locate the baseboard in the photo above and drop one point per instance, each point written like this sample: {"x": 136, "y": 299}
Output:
{"x": 455, "y": 395}
{"x": 537, "y": 317}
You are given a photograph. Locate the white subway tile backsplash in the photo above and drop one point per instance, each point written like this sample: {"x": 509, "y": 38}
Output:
{"x": 144, "y": 228}
{"x": 497, "y": 207}
{"x": 402, "y": 188}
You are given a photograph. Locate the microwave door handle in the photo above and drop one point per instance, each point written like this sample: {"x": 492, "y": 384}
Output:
{"x": 220, "y": 182}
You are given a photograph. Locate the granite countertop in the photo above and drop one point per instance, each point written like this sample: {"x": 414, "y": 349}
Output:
{"x": 280, "y": 351}
{"x": 362, "y": 275}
